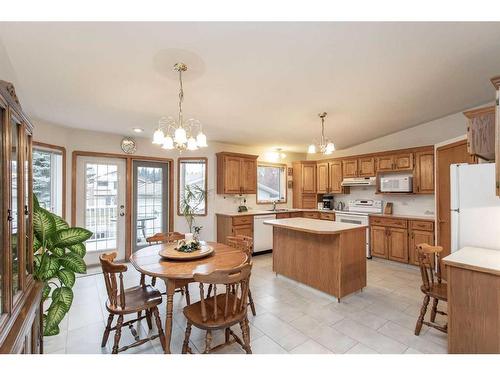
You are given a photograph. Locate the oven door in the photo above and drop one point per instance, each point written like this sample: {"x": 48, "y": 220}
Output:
{"x": 356, "y": 219}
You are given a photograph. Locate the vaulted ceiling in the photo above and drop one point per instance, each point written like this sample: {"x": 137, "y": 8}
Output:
{"x": 253, "y": 83}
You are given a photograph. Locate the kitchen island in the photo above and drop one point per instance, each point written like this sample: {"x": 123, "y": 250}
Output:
{"x": 328, "y": 256}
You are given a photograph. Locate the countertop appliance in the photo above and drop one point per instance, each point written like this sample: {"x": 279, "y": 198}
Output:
{"x": 357, "y": 213}
{"x": 475, "y": 208}
{"x": 328, "y": 202}
{"x": 396, "y": 184}
{"x": 262, "y": 233}
{"x": 359, "y": 181}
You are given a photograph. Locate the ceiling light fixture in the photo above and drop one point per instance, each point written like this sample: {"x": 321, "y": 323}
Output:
{"x": 137, "y": 130}
{"x": 325, "y": 146}
{"x": 276, "y": 155}
{"x": 179, "y": 134}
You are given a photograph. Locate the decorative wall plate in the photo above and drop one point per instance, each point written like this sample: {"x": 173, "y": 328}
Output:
{"x": 128, "y": 145}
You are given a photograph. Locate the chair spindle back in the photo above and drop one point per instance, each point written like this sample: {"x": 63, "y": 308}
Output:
{"x": 114, "y": 288}
{"x": 428, "y": 256}
{"x": 235, "y": 298}
{"x": 242, "y": 242}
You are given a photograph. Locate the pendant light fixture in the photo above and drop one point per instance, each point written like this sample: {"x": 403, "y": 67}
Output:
{"x": 179, "y": 134}
{"x": 325, "y": 146}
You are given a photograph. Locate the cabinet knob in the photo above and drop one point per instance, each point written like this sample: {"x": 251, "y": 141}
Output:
{"x": 26, "y": 211}
{"x": 9, "y": 215}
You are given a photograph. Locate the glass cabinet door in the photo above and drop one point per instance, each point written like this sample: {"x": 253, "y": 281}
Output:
{"x": 13, "y": 215}
{"x": 28, "y": 228}
{"x": 3, "y": 118}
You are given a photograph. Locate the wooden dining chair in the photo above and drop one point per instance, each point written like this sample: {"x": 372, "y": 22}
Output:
{"x": 221, "y": 311}
{"x": 121, "y": 301}
{"x": 166, "y": 238}
{"x": 432, "y": 285}
{"x": 244, "y": 243}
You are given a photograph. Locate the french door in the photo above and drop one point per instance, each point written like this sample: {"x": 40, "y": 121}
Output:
{"x": 100, "y": 204}
{"x": 150, "y": 201}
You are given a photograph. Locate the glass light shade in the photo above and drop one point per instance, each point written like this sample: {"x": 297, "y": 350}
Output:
{"x": 330, "y": 147}
{"x": 201, "y": 140}
{"x": 191, "y": 144}
{"x": 158, "y": 137}
{"x": 168, "y": 143}
{"x": 282, "y": 155}
{"x": 180, "y": 136}
{"x": 311, "y": 149}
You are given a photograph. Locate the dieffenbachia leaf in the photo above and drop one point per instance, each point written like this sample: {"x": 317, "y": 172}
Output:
{"x": 78, "y": 249}
{"x": 44, "y": 224}
{"x": 49, "y": 265}
{"x": 60, "y": 222}
{"x": 63, "y": 295}
{"x": 73, "y": 263}
{"x": 46, "y": 291}
{"x": 55, "y": 314}
{"x": 71, "y": 236}
{"x": 66, "y": 277}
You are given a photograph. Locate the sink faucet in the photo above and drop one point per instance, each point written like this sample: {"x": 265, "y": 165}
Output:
{"x": 274, "y": 205}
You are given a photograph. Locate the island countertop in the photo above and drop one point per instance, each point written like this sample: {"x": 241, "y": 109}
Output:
{"x": 314, "y": 226}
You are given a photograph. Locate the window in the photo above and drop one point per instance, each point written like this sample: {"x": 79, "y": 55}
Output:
{"x": 271, "y": 183}
{"x": 192, "y": 185}
{"x": 48, "y": 177}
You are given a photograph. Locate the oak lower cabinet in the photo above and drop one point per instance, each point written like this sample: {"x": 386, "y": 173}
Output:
{"x": 233, "y": 226}
{"x": 20, "y": 294}
{"x": 327, "y": 216}
{"x": 236, "y": 173}
{"x": 310, "y": 214}
{"x": 378, "y": 241}
{"x": 420, "y": 232}
{"x": 397, "y": 244}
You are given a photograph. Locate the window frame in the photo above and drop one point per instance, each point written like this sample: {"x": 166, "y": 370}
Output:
{"x": 53, "y": 148}
{"x": 179, "y": 162}
{"x": 285, "y": 179}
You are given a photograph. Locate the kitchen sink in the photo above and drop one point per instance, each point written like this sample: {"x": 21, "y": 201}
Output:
{"x": 279, "y": 210}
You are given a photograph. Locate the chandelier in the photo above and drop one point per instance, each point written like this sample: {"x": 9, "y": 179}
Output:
{"x": 325, "y": 146}
{"x": 179, "y": 134}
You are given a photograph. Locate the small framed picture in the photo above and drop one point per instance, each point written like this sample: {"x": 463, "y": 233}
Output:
{"x": 290, "y": 184}
{"x": 290, "y": 171}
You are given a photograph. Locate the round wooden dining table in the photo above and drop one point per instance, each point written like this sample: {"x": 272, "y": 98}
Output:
{"x": 178, "y": 274}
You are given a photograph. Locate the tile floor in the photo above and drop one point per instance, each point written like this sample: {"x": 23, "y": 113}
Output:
{"x": 291, "y": 318}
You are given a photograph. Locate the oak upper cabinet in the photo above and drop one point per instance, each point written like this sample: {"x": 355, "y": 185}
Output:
{"x": 496, "y": 83}
{"x": 304, "y": 184}
{"x": 366, "y": 167}
{"x": 335, "y": 177}
{"x": 423, "y": 177}
{"x": 309, "y": 178}
{"x": 322, "y": 185}
{"x": 236, "y": 173}
{"x": 394, "y": 162}
{"x": 481, "y": 132}
{"x": 378, "y": 241}
{"x": 350, "y": 168}
{"x": 385, "y": 163}
{"x": 397, "y": 244}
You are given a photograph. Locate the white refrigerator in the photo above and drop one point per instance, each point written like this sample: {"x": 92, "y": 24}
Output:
{"x": 475, "y": 209}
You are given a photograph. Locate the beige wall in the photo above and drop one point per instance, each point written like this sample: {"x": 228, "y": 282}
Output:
{"x": 83, "y": 140}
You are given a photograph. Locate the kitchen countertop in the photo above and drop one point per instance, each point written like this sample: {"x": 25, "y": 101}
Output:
{"x": 313, "y": 226}
{"x": 475, "y": 259}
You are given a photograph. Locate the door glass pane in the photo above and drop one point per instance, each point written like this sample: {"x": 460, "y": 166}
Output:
{"x": 2, "y": 121}
{"x": 149, "y": 207}
{"x": 27, "y": 192}
{"x": 47, "y": 179}
{"x": 101, "y": 205}
{"x": 14, "y": 246}
{"x": 193, "y": 174}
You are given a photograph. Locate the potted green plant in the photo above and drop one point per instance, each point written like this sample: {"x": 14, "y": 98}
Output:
{"x": 191, "y": 200}
{"x": 58, "y": 255}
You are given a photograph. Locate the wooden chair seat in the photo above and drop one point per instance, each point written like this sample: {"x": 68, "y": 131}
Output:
{"x": 439, "y": 291}
{"x": 194, "y": 316}
{"x": 138, "y": 298}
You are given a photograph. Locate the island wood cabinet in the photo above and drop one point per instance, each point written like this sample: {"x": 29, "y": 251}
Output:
{"x": 304, "y": 184}
{"x": 329, "y": 177}
{"x": 236, "y": 173}
{"x": 396, "y": 238}
{"x": 20, "y": 294}
{"x": 496, "y": 83}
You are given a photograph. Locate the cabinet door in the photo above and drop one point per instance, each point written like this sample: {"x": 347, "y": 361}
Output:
{"x": 378, "y": 241}
{"x": 366, "y": 167}
{"x": 309, "y": 178}
{"x": 309, "y": 201}
{"x": 350, "y": 168}
{"x": 245, "y": 230}
{"x": 385, "y": 163}
{"x": 232, "y": 175}
{"x": 295, "y": 214}
{"x": 417, "y": 237}
{"x": 398, "y": 244}
{"x": 403, "y": 162}
{"x": 335, "y": 176}
{"x": 322, "y": 178}
{"x": 311, "y": 215}
{"x": 424, "y": 173}
{"x": 249, "y": 176}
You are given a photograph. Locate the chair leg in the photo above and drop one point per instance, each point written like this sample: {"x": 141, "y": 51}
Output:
{"x": 188, "y": 297}
{"x": 208, "y": 342}
{"x": 143, "y": 280}
{"x": 227, "y": 334}
{"x": 118, "y": 334}
{"x": 153, "y": 281}
{"x": 185, "y": 345}
{"x": 246, "y": 336}
{"x": 209, "y": 290}
{"x": 161, "y": 334}
{"x": 106, "y": 331}
{"x": 434, "y": 310}
{"x": 250, "y": 300}
{"x": 148, "y": 319}
{"x": 423, "y": 310}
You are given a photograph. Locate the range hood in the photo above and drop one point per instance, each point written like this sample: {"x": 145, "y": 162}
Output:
{"x": 359, "y": 181}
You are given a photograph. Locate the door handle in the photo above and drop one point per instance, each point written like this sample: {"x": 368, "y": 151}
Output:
{"x": 122, "y": 210}
{"x": 26, "y": 211}
{"x": 9, "y": 215}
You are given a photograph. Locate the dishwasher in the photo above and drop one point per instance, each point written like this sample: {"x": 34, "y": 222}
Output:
{"x": 262, "y": 233}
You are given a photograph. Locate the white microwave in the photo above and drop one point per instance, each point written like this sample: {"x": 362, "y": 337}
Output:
{"x": 396, "y": 184}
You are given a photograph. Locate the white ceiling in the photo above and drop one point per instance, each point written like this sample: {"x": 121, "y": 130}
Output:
{"x": 253, "y": 83}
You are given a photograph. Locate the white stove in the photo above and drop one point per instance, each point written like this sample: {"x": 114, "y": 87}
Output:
{"x": 357, "y": 213}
